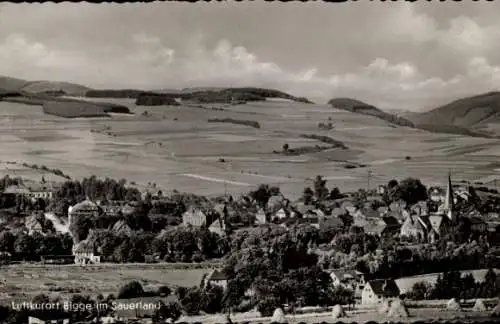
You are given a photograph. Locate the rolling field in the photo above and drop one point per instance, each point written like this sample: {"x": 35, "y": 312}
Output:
{"x": 23, "y": 282}
{"x": 176, "y": 147}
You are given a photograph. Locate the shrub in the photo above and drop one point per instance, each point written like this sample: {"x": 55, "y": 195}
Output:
{"x": 170, "y": 311}
{"x": 267, "y": 306}
{"x": 131, "y": 290}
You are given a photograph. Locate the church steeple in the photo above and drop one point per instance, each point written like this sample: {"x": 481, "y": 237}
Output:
{"x": 449, "y": 205}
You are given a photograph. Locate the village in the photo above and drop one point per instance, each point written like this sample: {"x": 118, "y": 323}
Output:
{"x": 396, "y": 217}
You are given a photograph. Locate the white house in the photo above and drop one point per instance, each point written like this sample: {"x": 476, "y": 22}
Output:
{"x": 216, "y": 278}
{"x": 376, "y": 291}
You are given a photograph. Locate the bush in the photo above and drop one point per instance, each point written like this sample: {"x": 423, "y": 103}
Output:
{"x": 250, "y": 123}
{"x": 131, "y": 290}
{"x": 170, "y": 311}
{"x": 267, "y": 306}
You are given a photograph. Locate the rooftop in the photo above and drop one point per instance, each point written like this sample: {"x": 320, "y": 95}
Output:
{"x": 384, "y": 287}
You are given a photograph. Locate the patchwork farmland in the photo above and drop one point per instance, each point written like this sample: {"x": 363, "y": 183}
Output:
{"x": 157, "y": 146}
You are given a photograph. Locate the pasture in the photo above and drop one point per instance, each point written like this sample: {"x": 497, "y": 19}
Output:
{"x": 177, "y": 148}
{"x": 358, "y": 315}
{"x": 21, "y": 283}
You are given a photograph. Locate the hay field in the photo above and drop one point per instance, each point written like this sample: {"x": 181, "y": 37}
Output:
{"x": 176, "y": 147}
{"x": 23, "y": 282}
{"x": 355, "y": 316}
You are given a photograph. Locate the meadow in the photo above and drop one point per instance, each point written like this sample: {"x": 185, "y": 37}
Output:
{"x": 177, "y": 148}
{"x": 20, "y": 283}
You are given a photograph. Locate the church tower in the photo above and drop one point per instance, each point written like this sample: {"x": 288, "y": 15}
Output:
{"x": 449, "y": 204}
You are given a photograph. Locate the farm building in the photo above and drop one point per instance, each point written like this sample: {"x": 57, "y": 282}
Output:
{"x": 348, "y": 278}
{"x": 114, "y": 208}
{"x": 216, "y": 278}
{"x": 57, "y": 259}
{"x": 195, "y": 216}
{"x": 478, "y": 225}
{"x": 33, "y": 224}
{"x": 32, "y": 190}
{"x": 85, "y": 253}
{"x": 260, "y": 217}
{"x": 376, "y": 291}
{"x": 84, "y": 208}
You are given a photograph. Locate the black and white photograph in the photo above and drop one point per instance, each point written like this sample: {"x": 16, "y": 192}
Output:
{"x": 250, "y": 162}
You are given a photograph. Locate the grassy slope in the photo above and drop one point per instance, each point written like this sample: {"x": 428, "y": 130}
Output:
{"x": 438, "y": 122}
{"x": 466, "y": 112}
{"x": 360, "y": 107}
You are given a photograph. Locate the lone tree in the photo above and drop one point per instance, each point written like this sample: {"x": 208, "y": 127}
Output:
{"x": 410, "y": 190}
{"x": 285, "y": 147}
{"x": 131, "y": 290}
{"x": 320, "y": 189}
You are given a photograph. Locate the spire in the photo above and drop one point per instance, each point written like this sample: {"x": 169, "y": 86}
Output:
{"x": 448, "y": 201}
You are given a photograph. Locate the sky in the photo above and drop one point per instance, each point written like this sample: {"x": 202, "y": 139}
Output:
{"x": 400, "y": 55}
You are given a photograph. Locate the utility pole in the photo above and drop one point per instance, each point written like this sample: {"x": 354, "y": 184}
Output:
{"x": 368, "y": 179}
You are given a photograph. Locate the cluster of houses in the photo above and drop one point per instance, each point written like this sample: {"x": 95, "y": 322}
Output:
{"x": 366, "y": 292}
{"x": 86, "y": 252}
{"x": 417, "y": 223}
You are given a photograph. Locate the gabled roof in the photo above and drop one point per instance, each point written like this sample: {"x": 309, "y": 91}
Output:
{"x": 32, "y": 223}
{"x": 367, "y": 212}
{"x": 217, "y": 275}
{"x": 436, "y": 221}
{"x": 382, "y": 210}
{"x": 476, "y": 220}
{"x": 391, "y": 221}
{"x": 413, "y": 223}
{"x": 84, "y": 247}
{"x": 345, "y": 274}
{"x": 217, "y": 224}
{"x": 121, "y": 228}
{"x": 331, "y": 221}
{"x": 86, "y": 205}
{"x": 384, "y": 287}
{"x": 374, "y": 228}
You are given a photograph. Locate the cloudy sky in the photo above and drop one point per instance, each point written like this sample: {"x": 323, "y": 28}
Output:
{"x": 394, "y": 55}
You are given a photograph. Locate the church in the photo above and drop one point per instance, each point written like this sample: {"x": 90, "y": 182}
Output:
{"x": 429, "y": 227}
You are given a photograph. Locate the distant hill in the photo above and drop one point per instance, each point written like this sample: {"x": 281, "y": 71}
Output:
{"x": 69, "y": 89}
{"x": 467, "y": 112}
{"x": 202, "y": 95}
{"x": 8, "y": 84}
{"x": 360, "y": 107}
